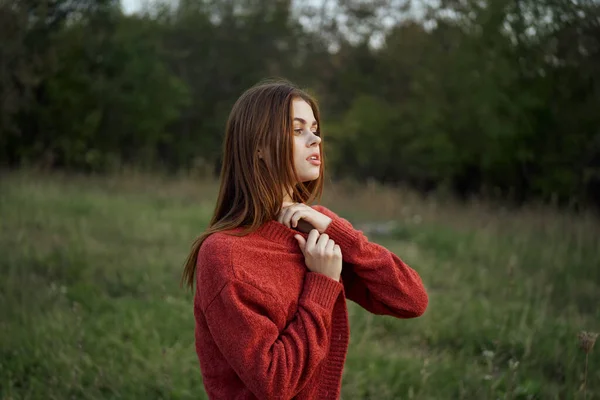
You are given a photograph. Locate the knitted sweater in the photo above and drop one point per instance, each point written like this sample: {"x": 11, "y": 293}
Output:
{"x": 268, "y": 328}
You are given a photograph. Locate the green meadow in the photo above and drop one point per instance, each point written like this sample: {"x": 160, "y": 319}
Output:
{"x": 91, "y": 307}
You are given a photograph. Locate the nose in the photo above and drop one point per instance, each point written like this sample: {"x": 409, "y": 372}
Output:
{"x": 313, "y": 139}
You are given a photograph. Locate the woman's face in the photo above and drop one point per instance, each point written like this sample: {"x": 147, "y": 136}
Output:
{"x": 307, "y": 158}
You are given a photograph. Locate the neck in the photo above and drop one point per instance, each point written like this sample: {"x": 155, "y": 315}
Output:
{"x": 287, "y": 198}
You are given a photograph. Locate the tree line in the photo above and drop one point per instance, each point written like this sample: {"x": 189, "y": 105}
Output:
{"x": 498, "y": 97}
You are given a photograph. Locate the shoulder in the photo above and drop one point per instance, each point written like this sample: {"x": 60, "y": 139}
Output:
{"x": 214, "y": 265}
{"x": 241, "y": 263}
{"x": 216, "y": 249}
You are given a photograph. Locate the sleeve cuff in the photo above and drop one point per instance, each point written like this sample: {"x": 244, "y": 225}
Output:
{"x": 342, "y": 233}
{"x": 321, "y": 289}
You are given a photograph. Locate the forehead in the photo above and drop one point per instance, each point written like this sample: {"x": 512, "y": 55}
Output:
{"x": 301, "y": 109}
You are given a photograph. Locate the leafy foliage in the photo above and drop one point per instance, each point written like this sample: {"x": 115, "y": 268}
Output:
{"x": 494, "y": 97}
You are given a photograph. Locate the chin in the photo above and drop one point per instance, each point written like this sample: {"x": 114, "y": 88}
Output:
{"x": 309, "y": 178}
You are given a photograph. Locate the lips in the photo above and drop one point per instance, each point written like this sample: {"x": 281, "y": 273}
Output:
{"x": 314, "y": 159}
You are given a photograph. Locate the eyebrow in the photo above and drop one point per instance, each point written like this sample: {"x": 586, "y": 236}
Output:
{"x": 304, "y": 121}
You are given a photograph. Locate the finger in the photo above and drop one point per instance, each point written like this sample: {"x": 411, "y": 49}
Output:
{"x": 311, "y": 240}
{"x": 299, "y": 214}
{"x": 329, "y": 247}
{"x": 337, "y": 250}
{"x": 283, "y": 211}
{"x": 323, "y": 239}
{"x": 287, "y": 215}
{"x": 301, "y": 242}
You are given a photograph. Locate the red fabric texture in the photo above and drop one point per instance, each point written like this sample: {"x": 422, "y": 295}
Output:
{"x": 268, "y": 328}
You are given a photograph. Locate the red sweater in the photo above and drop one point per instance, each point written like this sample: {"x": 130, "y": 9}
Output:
{"x": 268, "y": 328}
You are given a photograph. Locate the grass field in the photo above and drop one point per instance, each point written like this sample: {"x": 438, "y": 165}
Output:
{"x": 91, "y": 308}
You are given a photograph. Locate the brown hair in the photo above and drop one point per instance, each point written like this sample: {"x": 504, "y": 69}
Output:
{"x": 251, "y": 189}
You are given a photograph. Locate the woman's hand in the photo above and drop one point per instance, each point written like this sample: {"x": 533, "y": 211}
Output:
{"x": 292, "y": 213}
{"x": 321, "y": 254}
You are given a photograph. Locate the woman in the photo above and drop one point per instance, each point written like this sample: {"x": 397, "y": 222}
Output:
{"x": 271, "y": 317}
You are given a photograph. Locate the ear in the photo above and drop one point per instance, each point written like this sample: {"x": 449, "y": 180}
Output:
{"x": 260, "y": 154}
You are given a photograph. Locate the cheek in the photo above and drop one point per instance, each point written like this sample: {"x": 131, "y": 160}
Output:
{"x": 297, "y": 151}
{"x": 297, "y": 159}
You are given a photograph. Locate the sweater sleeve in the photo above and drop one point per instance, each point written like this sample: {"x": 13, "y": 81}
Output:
{"x": 273, "y": 364}
{"x": 374, "y": 277}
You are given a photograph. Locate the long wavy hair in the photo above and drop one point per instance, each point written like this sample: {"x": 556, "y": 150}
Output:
{"x": 251, "y": 188}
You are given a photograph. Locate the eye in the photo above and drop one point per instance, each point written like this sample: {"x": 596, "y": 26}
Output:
{"x": 298, "y": 131}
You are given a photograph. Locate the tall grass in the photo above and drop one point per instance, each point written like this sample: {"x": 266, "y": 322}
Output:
{"x": 91, "y": 308}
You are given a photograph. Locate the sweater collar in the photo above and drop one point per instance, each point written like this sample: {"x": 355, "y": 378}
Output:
{"x": 279, "y": 233}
